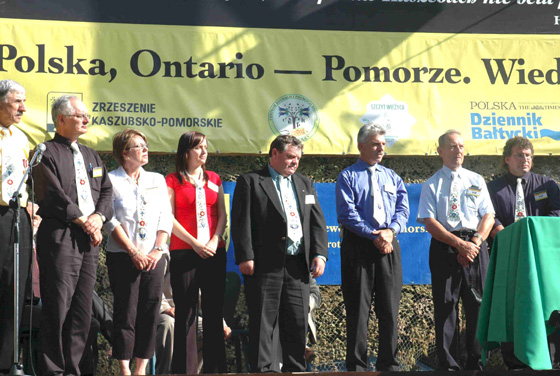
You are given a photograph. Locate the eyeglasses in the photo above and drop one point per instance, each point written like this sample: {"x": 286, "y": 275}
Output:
{"x": 141, "y": 147}
{"x": 81, "y": 116}
{"x": 523, "y": 156}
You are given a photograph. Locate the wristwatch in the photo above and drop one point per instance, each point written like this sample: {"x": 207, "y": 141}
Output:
{"x": 394, "y": 231}
{"x": 477, "y": 235}
{"x": 221, "y": 237}
{"x": 158, "y": 248}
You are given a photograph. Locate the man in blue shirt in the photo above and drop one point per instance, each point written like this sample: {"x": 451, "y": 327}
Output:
{"x": 372, "y": 208}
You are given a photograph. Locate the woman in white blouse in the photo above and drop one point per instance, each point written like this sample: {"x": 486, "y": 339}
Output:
{"x": 139, "y": 232}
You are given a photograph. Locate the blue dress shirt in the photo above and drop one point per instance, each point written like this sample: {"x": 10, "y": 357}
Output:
{"x": 354, "y": 200}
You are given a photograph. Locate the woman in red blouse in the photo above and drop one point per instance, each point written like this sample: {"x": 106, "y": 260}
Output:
{"x": 198, "y": 257}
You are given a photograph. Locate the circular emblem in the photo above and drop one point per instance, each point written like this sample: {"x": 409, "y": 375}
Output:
{"x": 82, "y": 182}
{"x": 202, "y": 214}
{"x": 10, "y": 182}
{"x": 520, "y": 214}
{"x": 292, "y": 214}
{"x": 142, "y": 223}
{"x": 295, "y": 115}
{"x": 454, "y": 207}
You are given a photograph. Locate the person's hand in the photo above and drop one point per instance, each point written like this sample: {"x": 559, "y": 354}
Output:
{"x": 213, "y": 243}
{"x": 468, "y": 249}
{"x": 462, "y": 260}
{"x": 384, "y": 241}
{"x": 139, "y": 260}
{"x": 153, "y": 258}
{"x": 317, "y": 267}
{"x": 202, "y": 250}
{"x": 247, "y": 267}
{"x": 93, "y": 224}
{"x": 170, "y": 311}
{"x": 96, "y": 238}
{"x": 227, "y": 332}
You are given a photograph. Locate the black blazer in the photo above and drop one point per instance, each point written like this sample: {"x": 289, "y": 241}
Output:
{"x": 258, "y": 223}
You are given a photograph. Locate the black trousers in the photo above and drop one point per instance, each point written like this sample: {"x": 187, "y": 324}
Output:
{"x": 189, "y": 273}
{"x": 448, "y": 285}
{"x": 7, "y": 278}
{"x": 67, "y": 268}
{"x": 369, "y": 275}
{"x": 137, "y": 300}
{"x": 278, "y": 303}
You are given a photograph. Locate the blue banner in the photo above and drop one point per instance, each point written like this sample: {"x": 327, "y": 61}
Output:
{"x": 414, "y": 240}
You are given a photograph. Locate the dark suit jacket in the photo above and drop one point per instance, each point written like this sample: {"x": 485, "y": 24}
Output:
{"x": 258, "y": 223}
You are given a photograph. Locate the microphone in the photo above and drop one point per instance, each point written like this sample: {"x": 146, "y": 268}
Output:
{"x": 39, "y": 152}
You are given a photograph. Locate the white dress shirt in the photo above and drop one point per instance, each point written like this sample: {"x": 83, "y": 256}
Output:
{"x": 474, "y": 198}
{"x": 15, "y": 145}
{"x": 127, "y": 197}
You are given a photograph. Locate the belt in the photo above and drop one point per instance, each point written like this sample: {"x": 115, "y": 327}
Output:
{"x": 464, "y": 233}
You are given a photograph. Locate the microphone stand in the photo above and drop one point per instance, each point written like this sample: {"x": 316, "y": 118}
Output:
{"x": 15, "y": 203}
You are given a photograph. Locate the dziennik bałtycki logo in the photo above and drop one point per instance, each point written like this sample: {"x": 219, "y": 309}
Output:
{"x": 295, "y": 115}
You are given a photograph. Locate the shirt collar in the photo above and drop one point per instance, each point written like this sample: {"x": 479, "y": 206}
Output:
{"x": 363, "y": 164}
{"x": 512, "y": 179}
{"x": 447, "y": 171}
{"x": 63, "y": 140}
{"x": 4, "y": 131}
{"x": 275, "y": 175}
{"x": 122, "y": 172}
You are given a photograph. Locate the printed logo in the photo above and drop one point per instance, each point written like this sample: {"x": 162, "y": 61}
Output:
{"x": 51, "y": 97}
{"x": 392, "y": 115}
{"x": 295, "y": 115}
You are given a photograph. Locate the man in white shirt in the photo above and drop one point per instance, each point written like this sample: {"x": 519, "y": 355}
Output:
{"x": 456, "y": 208}
{"x": 14, "y": 152}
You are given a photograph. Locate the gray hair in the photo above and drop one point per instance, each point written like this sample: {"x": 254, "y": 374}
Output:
{"x": 62, "y": 106}
{"x": 368, "y": 130}
{"x": 441, "y": 139}
{"x": 7, "y": 87}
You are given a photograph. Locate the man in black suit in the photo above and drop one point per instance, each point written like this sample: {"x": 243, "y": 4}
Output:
{"x": 279, "y": 235}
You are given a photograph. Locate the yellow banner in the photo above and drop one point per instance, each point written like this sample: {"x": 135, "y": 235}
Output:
{"x": 242, "y": 87}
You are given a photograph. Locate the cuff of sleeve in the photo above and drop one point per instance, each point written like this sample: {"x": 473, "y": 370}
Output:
{"x": 395, "y": 226}
{"x": 111, "y": 225}
{"x": 321, "y": 257}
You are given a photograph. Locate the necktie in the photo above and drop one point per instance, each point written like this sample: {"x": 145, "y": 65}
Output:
{"x": 454, "y": 205}
{"x": 85, "y": 201}
{"x": 290, "y": 209}
{"x": 202, "y": 229}
{"x": 378, "y": 206}
{"x": 9, "y": 178}
{"x": 520, "y": 211}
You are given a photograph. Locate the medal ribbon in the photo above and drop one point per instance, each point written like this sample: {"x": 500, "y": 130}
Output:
{"x": 202, "y": 228}
{"x": 290, "y": 209}
{"x": 85, "y": 201}
{"x": 454, "y": 205}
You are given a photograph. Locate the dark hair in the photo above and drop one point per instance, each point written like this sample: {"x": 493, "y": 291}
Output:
{"x": 282, "y": 142}
{"x": 522, "y": 142}
{"x": 121, "y": 141}
{"x": 187, "y": 141}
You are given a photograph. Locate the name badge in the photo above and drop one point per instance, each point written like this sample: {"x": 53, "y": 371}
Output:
{"x": 540, "y": 195}
{"x": 213, "y": 186}
{"x": 473, "y": 191}
{"x": 97, "y": 172}
{"x": 309, "y": 199}
{"x": 390, "y": 188}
